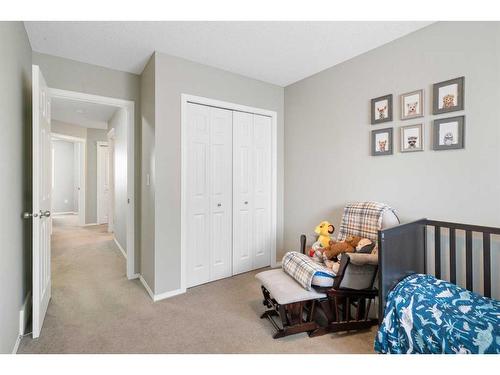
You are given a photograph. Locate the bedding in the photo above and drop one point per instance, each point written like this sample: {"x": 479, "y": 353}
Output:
{"x": 427, "y": 315}
{"x": 306, "y": 271}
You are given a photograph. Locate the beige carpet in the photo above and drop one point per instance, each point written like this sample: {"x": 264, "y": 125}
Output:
{"x": 95, "y": 309}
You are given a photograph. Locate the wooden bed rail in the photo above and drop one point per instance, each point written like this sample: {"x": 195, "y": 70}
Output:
{"x": 469, "y": 230}
{"x": 403, "y": 251}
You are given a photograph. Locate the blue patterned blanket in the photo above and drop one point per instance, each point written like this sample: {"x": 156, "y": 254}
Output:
{"x": 427, "y": 315}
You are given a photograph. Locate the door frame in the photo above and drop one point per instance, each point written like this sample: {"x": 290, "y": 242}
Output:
{"x": 82, "y": 142}
{"x": 129, "y": 107}
{"x": 187, "y": 98}
{"x": 111, "y": 203}
{"x": 99, "y": 178}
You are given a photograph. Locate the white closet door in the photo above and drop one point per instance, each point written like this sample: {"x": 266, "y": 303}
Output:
{"x": 209, "y": 198}
{"x": 198, "y": 194}
{"x": 221, "y": 121}
{"x": 261, "y": 191}
{"x": 242, "y": 192}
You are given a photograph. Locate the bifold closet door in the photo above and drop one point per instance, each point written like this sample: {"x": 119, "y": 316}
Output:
{"x": 251, "y": 191}
{"x": 208, "y": 193}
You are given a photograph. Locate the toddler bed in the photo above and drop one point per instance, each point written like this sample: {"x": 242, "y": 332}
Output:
{"x": 421, "y": 313}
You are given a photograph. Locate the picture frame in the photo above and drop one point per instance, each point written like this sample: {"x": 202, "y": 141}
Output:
{"x": 449, "y": 133}
{"x": 412, "y": 138}
{"x": 448, "y": 96}
{"x": 382, "y": 142}
{"x": 412, "y": 104}
{"x": 381, "y": 109}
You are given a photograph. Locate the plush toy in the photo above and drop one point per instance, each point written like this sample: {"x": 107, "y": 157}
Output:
{"x": 323, "y": 230}
{"x": 336, "y": 248}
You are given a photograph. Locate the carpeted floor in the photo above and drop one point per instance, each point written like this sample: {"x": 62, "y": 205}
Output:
{"x": 95, "y": 309}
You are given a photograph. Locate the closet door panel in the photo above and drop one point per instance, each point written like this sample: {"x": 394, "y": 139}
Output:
{"x": 198, "y": 194}
{"x": 242, "y": 192}
{"x": 221, "y": 193}
{"x": 262, "y": 191}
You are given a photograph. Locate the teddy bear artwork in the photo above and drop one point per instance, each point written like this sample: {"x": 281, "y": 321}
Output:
{"x": 327, "y": 250}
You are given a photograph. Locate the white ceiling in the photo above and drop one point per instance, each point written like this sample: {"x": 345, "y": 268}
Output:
{"x": 275, "y": 52}
{"x": 84, "y": 114}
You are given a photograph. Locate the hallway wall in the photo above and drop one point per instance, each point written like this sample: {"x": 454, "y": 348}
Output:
{"x": 63, "y": 192}
{"x": 15, "y": 184}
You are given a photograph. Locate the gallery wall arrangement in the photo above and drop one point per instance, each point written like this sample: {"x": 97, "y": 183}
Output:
{"x": 447, "y": 133}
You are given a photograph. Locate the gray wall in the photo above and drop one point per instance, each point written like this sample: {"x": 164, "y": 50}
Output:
{"x": 174, "y": 76}
{"x": 15, "y": 184}
{"x": 119, "y": 123}
{"x": 327, "y": 133}
{"x": 147, "y": 161}
{"x": 91, "y": 79}
{"x": 63, "y": 193}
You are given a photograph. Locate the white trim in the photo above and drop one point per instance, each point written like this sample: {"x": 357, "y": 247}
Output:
{"x": 159, "y": 297}
{"x": 69, "y": 138}
{"x": 173, "y": 293}
{"x": 24, "y": 314}
{"x": 89, "y": 224}
{"x": 111, "y": 198}
{"x": 120, "y": 248}
{"x": 16, "y": 345}
{"x": 99, "y": 177}
{"x": 134, "y": 276}
{"x": 129, "y": 107}
{"x": 64, "y": 213}
{"x": 185, "y": 99}
{"x": 146, "y": 286}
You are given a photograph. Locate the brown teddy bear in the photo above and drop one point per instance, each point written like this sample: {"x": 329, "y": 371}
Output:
{"x": 346, "y": 246}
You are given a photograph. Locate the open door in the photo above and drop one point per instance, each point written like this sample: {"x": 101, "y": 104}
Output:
{"x": 41, "y": 199}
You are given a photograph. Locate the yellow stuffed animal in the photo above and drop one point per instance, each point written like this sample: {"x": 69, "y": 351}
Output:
{"x": 323, "y": 230}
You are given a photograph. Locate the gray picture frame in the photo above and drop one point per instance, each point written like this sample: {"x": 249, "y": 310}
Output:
{"x": 390, "y": 138}
{"x": 374, "y": 118}
{"x": 421, "y": 103}
{"x": 461, "y": 133}
{"x": 460, "y": 82}
{"x": 402, "y": 129}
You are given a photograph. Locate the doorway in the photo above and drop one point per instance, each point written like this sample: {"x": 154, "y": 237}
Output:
{"x": 80, "y": 123}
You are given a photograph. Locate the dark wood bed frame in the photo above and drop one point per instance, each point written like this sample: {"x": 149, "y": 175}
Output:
{"x": 403, "y": 251}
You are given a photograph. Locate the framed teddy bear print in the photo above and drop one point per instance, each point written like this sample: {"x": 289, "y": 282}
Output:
{"x": 448, "y": 96}
{"x": 381, "y": 110}
{"x": 412, "y": 104}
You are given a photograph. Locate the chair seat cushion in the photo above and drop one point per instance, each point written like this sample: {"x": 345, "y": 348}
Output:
{"x": 284, "y": 289}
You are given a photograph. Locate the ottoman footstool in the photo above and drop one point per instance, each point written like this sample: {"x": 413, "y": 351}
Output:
{"x": 288, "y": 302}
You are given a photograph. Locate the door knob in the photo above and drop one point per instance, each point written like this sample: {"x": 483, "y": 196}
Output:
{"x": 246, "y": 202}
{"x": 29, "y": 215}
{"x": 219, "y": 204}
{"x": 44, "y": 213}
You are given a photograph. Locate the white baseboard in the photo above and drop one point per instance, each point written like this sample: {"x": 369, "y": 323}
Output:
{"x": 89, "y": 224}
{"x": 158, "y": 297}
{"x": 24, "y": 314}
{"x": 120, "y": 247}
{"x": 16, "y": 345}
{"x": 134, "y": 276}
{"x": 277, "y": 264}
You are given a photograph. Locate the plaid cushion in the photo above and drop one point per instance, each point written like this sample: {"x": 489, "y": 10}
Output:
{"x": 363, "y": 219}
{"x": 302, "y": 268}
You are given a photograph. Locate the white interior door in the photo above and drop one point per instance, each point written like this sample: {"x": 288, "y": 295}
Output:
{"x": 251, "y": 192}
{"x": 102, "y": 183}
{"x": 262, "y": 134}
{"x": 243, "y": 202}
{"x": 42, "y": 181}
{"x": 208, "y": 193}
{"x": 221, "y": 183}
{"x": 198, "y": 195}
